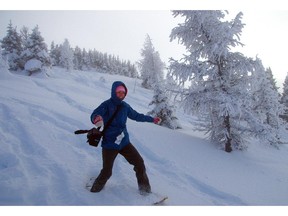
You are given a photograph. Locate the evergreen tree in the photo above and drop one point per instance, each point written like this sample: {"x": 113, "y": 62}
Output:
{"x": 11, "y": 46}
{"x": 150, "y": 65}
{"x": 266, "y": 104}
{"x": 36, "y": 48}
{"x": 66, "y": 55}
{"x": 125, "y": 70}
{"x": 118, "y": 65}
{"x": 95, "y": 58}
{"x": 284, "y": 98}
{"x": 24, "y": 34}
{"x": 55, "y": 54}
{"x": 219, "y": 78}
{"x": 112, "y": 64}
{"x": 90, "y": 58}
{"x": 133, "y": 71}
{"x": 77, "y": 58}
{"x": 105, "y": 65}
{"x": 85, "y": 60}
{"x": 98, "y": 60}
{"x": 163, "y": 109}
{"x": 271, "y": 79}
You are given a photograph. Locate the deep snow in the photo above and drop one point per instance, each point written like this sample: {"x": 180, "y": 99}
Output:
{"x": 42, "y": 162}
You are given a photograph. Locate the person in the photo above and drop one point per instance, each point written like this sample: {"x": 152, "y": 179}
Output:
{"x": 116, "y": 138}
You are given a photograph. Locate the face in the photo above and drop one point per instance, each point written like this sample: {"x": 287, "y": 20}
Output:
{"x": 120, "y": 94}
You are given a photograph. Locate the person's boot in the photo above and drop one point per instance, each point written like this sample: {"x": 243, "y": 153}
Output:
{"x": 97, "y": 187}
{"x": 145, "y": 189}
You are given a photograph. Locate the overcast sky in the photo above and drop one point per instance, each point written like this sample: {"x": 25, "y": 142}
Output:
{"x": 117, "y": 32}
{"x": 122, "y": 32}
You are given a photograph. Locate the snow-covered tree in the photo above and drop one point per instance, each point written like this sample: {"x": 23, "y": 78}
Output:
{"x": 271, "y": 78}
{"x": 12, "y": 47}
{"x": 163, "y": 108}
{"x": 86, "y": 60}
{"x": 284, "y": 98}
{"x": 24, "y": 34}
{"x": 55, "y": 53}
{"x": 173, "y": 88}
{"x": 36, "y": 48}
{"x": 66, "y": 55}
{"x": 91, "y": 59}
{"x": 266, "y": 104}
{"x": 150, "y": 65}
{"x": 219, "y": 78}
{"x": 133, "y": 71}
{"x": 77, "y": 61}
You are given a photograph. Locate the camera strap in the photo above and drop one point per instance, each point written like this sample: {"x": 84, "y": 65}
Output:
{"x": 111, "y": 119}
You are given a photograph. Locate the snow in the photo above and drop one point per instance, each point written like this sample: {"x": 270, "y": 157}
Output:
{"x": 33, "y": 65}
{"x": 42, "y": 162}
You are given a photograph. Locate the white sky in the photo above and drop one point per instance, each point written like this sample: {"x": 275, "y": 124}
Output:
{"x": 122, "y": 31}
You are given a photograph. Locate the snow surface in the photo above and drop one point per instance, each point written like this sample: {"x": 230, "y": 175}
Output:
{"x": 43, "y": 163}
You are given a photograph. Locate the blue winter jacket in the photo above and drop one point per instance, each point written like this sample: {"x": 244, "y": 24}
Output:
{"x": 116, "y": 135}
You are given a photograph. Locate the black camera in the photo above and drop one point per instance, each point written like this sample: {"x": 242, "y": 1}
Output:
{"x": 94, "y": 136}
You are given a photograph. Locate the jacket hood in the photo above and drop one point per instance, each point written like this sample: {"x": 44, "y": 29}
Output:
{"x": 113, "y": 91}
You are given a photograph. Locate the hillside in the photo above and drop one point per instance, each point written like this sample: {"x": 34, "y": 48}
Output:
{"x": 43, "y": 163}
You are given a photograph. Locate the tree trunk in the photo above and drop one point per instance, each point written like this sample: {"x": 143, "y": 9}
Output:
{"x": 228, "y": 146}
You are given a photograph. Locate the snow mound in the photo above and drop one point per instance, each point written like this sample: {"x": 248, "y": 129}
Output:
{"x": 33, "y": 65}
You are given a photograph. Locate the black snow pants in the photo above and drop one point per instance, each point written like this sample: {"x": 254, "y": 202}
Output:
{"x": 131, "y": 154}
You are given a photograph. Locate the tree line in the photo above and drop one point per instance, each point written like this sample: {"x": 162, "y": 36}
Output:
{"x": 21, "y": 47}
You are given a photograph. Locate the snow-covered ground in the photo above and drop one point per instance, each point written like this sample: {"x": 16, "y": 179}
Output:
{"x": 42, "y": 162}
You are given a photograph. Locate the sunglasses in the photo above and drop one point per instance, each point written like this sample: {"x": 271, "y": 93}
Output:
{"x": 120, "y": 92}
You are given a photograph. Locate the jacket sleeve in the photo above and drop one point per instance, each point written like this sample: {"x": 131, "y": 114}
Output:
{"x": 100, "y": 110}
{"x": 132, "y": 114}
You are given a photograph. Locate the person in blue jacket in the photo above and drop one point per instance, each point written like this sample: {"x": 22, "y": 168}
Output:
{"x": 116, "y": 138}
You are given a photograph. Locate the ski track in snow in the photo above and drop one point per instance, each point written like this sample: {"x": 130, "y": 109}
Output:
{"x": 42, "y": 162}
{"x": 65, "y": 98}
{"x": 30, "y": 155}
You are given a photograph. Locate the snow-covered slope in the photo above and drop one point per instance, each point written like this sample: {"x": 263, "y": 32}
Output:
{"x": 42, "y": 162}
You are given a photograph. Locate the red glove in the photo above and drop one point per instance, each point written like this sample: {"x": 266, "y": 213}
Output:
{"x": 98, "y": 121}
{"x": 157, "y": 120}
